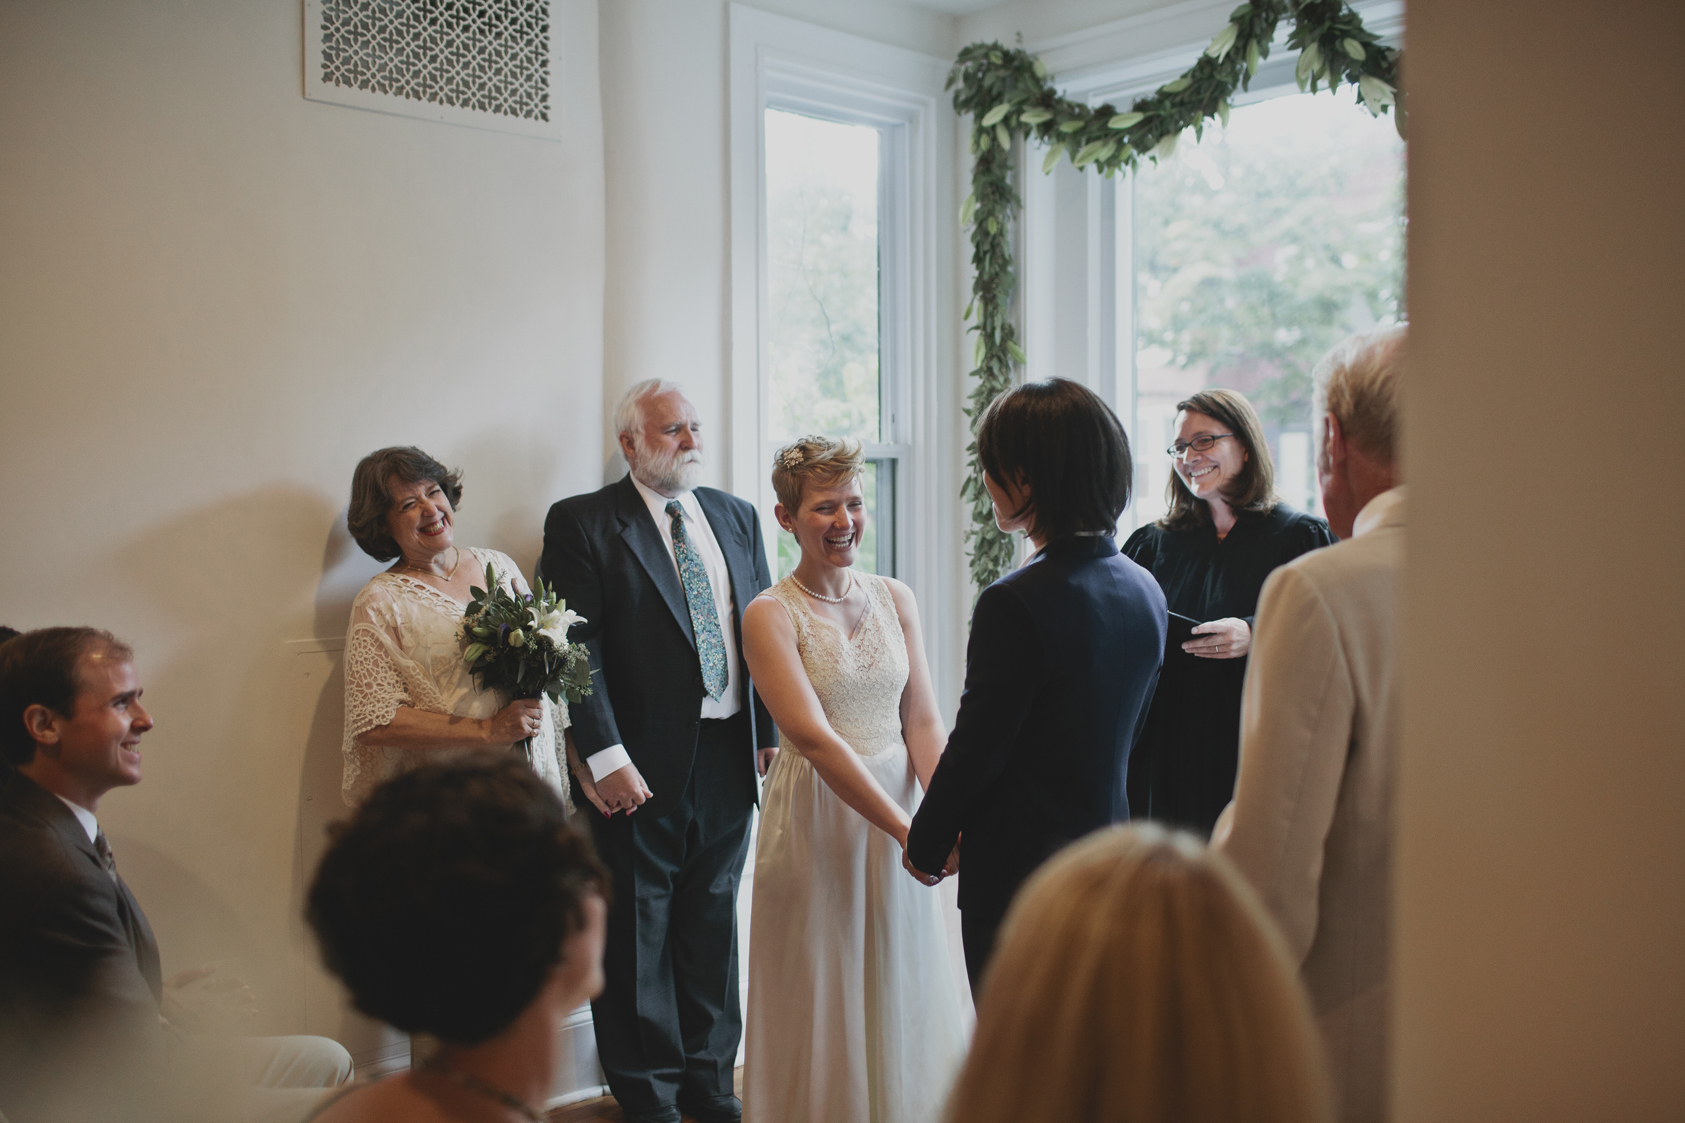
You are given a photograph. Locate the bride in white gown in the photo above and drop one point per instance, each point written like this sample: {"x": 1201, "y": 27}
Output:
{"x": 855, "y": 1014}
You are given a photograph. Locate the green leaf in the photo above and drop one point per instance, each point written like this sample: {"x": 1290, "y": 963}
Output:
{"x": 1178, "y": 85}
{"x": 1240, "y": 12}
{"x": 1016, "y": 351}
{"x": 1072, "y": 126}
{"x": 1040, "y": 68}
{"x": 1003, "y": 138}
{"x": 1223, "y": 112}
{"x": 968, "y": 208}
{"x": 1035, "y": 116}
{"x": 1126, "y": 120}
{"x": 1053, "y": 155}
{"x": 1251, "y": 58}
{"x": 982, "y": 142}
{"x": 996, "y": 115}
{"x": 1353, "y": 48}
{"x": 1090, "y": 152}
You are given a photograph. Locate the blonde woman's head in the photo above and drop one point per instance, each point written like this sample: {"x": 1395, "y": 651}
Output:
{"x": 1137, "y": 979}
{"x": 820, "y": 499}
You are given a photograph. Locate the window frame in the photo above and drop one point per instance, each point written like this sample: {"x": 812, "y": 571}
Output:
{"x": 785, "y": 64}
{"x": 1079, "y": 299}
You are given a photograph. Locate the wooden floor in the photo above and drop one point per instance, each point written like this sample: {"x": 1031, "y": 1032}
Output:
{"x": 605, "y": 1110}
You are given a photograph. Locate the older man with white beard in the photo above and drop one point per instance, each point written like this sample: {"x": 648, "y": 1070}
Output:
{"x": 666, "y": 748}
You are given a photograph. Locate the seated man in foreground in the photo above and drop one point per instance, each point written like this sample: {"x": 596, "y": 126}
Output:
{"x": 1311, "y": 821}
{"x": 83, "y": 1031}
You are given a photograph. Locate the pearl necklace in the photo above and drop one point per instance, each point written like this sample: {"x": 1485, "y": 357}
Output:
{"x": 827, "y": 600}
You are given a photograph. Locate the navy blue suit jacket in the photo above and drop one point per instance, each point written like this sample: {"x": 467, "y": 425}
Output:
{"x": 1062, "y": 661}
{"x": 605, "y": 556}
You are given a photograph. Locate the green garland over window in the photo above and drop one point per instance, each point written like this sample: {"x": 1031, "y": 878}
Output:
{"x": 1007, "y": 94}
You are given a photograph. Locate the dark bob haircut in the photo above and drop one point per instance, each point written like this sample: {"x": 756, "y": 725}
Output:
{"x": 444, "y": 903}
{"x": 1068, "y": 447}
{"x": 1252, "y": 489}
{"x": 371, "y": 493}
{"x": 40, "y": 668}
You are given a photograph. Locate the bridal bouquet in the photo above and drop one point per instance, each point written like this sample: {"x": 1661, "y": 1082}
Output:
{"x": 518, "y": 643}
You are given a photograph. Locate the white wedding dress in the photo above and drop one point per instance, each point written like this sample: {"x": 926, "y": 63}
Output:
{"x": 404, "y": 648}
{"x": 855, "y": 1014}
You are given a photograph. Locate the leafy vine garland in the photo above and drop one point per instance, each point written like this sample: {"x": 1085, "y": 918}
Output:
{"x": 1007, "y": 94}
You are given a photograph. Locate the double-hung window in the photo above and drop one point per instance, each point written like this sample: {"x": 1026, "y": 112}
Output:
{"x": 1236, "y": 261}
{"x": 844, "y": 314}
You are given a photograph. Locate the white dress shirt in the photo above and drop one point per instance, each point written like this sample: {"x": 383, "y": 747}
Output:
{"x": 83, "y": 816}
{"x": 701, "y": 536}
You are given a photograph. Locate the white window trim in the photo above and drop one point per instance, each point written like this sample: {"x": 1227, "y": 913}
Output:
{"x": 783, "y": 63}
{"x": 1079, "y": 307}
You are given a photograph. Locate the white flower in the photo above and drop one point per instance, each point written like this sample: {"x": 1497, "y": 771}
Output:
{"x": 1223, "y": 42}
{"x": 555, "y": 623}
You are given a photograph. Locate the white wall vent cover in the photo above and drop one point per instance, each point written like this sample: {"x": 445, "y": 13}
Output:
{"x": 489, "y": 64}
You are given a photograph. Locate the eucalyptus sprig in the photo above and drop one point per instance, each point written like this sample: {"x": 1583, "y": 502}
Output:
{"x": 1007, "y": 94}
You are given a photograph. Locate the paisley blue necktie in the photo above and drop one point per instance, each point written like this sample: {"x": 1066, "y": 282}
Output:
{"x": 699, "y": 597}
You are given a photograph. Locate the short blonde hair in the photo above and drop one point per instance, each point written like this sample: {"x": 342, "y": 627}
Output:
{"x": 1137, "y": 978}
{"x": 1360, "y": 382}
{"x": 822, "y": 461}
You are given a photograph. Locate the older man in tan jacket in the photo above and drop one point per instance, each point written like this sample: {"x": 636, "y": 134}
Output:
{"x": 1311, "y": 821}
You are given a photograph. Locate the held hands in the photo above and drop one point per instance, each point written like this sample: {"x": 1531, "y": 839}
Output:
{"x": 621, "y": 790}
{"x": 949, "y": 868}
{"x": 517, "y": 721}
{"x": 1228, "y": 638}
{"x": 199, "y": 1000}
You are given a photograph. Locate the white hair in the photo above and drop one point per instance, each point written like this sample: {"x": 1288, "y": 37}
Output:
{"x": 629, "y": 414}
{"x": 1360, "y": 382}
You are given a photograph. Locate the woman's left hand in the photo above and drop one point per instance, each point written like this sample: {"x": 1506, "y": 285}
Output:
{"x": 1228, "y": 638}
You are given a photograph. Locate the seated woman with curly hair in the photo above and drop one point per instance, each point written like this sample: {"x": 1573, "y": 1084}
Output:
{"x": 1139, "y": 980}
{"x": 459, "y": 903}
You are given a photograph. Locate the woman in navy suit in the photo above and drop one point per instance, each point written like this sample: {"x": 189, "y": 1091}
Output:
{"x": 1062, "y": 661}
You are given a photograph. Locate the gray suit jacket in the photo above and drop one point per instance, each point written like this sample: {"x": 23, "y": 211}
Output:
{"x": 79, "y": 972}
{"x": 1311, "y": 822}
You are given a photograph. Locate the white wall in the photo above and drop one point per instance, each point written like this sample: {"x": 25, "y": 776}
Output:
{"x": 215, "y": 297}
{"x": 664, "y": 87}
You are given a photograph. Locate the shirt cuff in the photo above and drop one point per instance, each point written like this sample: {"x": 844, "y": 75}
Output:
{"x": 611, "y": 759}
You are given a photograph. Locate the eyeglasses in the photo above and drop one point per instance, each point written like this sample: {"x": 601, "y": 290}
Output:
{"x": 1201, "y": 443}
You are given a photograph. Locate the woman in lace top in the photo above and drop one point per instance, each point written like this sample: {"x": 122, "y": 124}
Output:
{"x": 408, "y": 695}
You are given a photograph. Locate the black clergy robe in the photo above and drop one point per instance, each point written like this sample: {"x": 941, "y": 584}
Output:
{"x": 1182, "y": 771}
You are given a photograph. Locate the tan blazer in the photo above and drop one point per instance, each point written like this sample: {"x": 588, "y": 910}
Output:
{"x": 1311, "y": 822}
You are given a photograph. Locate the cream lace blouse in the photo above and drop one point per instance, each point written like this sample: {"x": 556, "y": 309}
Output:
{"x": 404, "y": 648}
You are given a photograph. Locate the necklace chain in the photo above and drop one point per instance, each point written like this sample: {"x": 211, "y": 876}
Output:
{"x": 490, "y": 1091}
{"x": 447, "y": 576}
{"x": 821, "y": 596}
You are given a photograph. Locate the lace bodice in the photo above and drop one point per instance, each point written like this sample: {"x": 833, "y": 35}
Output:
{"x": 404, "y": 648}
{"x": 859, "y": 679}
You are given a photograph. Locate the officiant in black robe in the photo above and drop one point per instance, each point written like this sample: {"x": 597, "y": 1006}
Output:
{"x": 1225, "y": 532}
